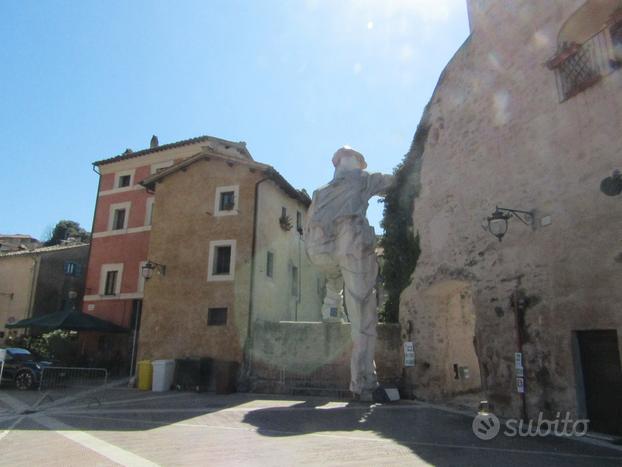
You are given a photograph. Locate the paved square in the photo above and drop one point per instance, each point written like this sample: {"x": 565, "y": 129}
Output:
{"x": 120, "y": 426}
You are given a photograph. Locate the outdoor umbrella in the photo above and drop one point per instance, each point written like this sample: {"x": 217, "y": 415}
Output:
{"x": 70, "y": 321}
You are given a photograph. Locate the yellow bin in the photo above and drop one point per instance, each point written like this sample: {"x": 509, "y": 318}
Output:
{"x": 145, "y": 374}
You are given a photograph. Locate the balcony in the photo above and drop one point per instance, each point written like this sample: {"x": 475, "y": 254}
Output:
{"x": 580, "y": 66}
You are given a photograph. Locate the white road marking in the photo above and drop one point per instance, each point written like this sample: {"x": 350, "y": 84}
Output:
{"x": 101, "y": 447}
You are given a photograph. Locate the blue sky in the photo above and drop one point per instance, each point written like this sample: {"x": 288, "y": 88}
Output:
{"x": 83, "y": 80}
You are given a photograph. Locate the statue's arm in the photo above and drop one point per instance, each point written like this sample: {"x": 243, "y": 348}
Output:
{"x": 378, "y": 184}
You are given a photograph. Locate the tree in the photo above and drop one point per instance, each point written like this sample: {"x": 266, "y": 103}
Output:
{"x": 64, "y": 230}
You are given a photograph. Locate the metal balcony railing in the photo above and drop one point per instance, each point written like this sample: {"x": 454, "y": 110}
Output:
{"x": 579, "y": 66}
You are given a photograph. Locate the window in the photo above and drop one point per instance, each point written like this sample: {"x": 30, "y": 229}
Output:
{"x": 124, "y": 180}
{"x": 283, "y": 213}
{"x": 216, "y": 316}
{"x": 226, "y": 201}
{"x": 270, "y": 264}
{"x": 222, "y": 263}
{"x": 119, "y": 215}
{"x": 118, "y": 222}
{"x": 110, "y": 279}
{"x": 111, "y": 283}
{"x": 221, "y": 260}
{"x": 294, "y": 281}
{"x": 72, "y": 268}
{"x": 149, "y": 211}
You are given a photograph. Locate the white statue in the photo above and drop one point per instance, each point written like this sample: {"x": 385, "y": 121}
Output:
{"x": 340, "y": 242}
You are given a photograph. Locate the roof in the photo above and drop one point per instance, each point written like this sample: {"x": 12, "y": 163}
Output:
{"x": 45, "y": 249}
{"x": 25, "y": 236}
{"x": 267, "y": 170}
{"x": 240, "y": 146}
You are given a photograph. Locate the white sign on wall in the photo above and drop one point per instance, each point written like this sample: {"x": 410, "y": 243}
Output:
{"x": 518, "y": 360}
{"x": 409, "y": 354}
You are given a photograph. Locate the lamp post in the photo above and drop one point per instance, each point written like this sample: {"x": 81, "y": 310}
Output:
{"x": 612, "y": 186}
{"x": 497, "y": 223}
{"x": 151, "y": 266}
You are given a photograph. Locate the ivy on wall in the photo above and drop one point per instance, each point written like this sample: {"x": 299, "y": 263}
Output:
{"x": 400, "y": 243}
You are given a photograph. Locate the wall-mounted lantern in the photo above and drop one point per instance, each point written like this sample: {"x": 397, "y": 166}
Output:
{"x": 150, "y": 267}
{"x": 612, "y": 186}
{"x": 497, "y": 223}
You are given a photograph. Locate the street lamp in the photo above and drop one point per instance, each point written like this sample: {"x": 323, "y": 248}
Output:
{"x": 612, "y": 186}
{"x": 150, "y": 267}
{"x": 497, "y": 223}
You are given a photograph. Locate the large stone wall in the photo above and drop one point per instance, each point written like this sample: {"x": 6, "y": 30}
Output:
{"x": 498, "y": 135}
{"x": 298, "y": 356}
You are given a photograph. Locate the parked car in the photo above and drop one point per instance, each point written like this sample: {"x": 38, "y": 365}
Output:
{"x": 22, "y": 368}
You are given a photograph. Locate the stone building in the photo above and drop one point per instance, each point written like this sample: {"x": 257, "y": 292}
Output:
{"x": 18, "y": 242}
{"x": 227, "y": 249}
{"x": 527, "y": 116}
{"x": 39, "y": 281}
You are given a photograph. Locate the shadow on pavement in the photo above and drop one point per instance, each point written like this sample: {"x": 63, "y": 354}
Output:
{"x": 435, "y": 436}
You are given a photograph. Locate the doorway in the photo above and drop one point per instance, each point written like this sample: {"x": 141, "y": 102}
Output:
{"x": 602, "y": 379}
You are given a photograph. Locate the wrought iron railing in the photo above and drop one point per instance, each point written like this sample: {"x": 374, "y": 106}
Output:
{"x": 579, "y": 66}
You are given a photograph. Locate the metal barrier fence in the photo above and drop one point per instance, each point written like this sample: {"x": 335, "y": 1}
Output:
{"x": 58, "y": 377}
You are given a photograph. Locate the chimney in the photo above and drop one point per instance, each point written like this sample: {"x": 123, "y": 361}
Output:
{"x": 154, "y": 142}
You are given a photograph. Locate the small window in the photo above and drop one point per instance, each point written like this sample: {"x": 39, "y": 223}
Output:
{"x": 270, "y": 264}
{"x": 216, "y": 316}
{"x": 283, "y": 213}
{"x": 149, "y": 211}
{"x": 111, "y": 283}
{"x": 222, "y": 261}
{"x": 227, "y": 200}
{"x": 72, "y": 269}
{"x": 118, "y": 222}
{"x": 125, "y": 180}
{"x": 294, "y": 281}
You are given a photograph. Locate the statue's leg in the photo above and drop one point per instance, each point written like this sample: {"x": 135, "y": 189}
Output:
{"x": 360, "y": 277}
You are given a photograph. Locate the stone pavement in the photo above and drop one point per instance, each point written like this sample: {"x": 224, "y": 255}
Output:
{"x": 120, "y": 426}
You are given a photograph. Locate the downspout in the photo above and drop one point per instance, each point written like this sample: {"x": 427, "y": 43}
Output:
{"x": 88, "y": 256}
{"x": 252, "y": 282}
{"x": 519, "y": 344}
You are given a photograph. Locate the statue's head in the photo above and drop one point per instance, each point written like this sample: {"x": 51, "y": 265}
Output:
{"x": 347, "y": 158}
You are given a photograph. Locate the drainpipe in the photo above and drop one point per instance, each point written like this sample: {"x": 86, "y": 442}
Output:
{"x": 519, "y": 344}
{"x": 88, "y": 255}
{"x": 252, "y": 282}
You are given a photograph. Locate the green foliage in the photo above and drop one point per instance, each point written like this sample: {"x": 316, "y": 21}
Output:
{"x": 55, "y": 345}
{"x": 66, "y": 229}
{"x": 400, "y": 244}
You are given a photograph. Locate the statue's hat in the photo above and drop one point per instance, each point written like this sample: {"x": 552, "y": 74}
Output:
{"x": 348, "y": 151}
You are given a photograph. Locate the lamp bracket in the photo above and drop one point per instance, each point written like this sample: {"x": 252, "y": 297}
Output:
{"x": 526, "y": 217}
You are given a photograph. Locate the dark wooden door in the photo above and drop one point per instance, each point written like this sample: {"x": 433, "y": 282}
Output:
{"x": 602, "y": 379}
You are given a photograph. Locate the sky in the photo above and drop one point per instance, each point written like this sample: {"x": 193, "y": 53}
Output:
{"x": 81, "y": 81}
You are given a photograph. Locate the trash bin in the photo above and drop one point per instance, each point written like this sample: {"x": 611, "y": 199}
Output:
{"x": 225, "y": 376}
{"x": 145, "y": 371}
{"x": 187, "y": 374}
{"x": 163, "y": 372}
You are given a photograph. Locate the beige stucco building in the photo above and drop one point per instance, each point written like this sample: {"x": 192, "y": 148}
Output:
{"x": 528, "y": 116}
{"x": 226, "y": 228}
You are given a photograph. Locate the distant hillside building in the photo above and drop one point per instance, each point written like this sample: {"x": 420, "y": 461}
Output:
{"x": 526, "y": 116}
{"x": 18, "y": 242}
{"x": 39, "y": 281}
